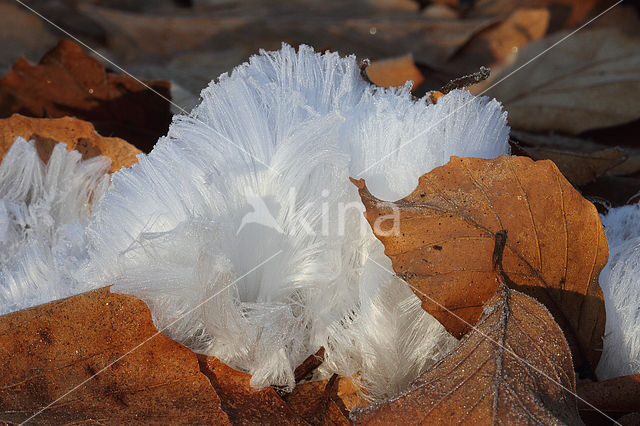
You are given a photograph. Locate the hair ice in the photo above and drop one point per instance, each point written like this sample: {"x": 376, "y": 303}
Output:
{"x": 44, "y": 209}
{"x": 620, "y": 282}
{"x": 212, "y": 228}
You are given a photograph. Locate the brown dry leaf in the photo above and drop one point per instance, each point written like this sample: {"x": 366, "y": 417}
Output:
{"x": 616, "y": 189}
{"x": 77, "y": 134}
{"x": 617, "y": 396}
{"x": 350, "y": 394}
{"x": 556, "y": 141}
{"x": 578, "y": 167}
{"x": 434, "y": 96}
{"x": 630, "y": 166}
{"x": 395, "y": 72}
{"x": 588, "y": 81}
{"x": 366, "y": 30}
{"x": 59, "y": 350}
{"x": 242, "y": 403}
{"x": 319, "y": 403}
{"x": 68, "y": 82}
{"x": 521, "y": 28}
{"x": 500, "y": 42}
{"x": 565, "y": 13}
{"x": 555, "y": 251}
{"x": 513, "y": 368}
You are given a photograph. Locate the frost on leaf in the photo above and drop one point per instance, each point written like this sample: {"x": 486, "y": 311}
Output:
{"x": 514, "y": 367}
{"x": 241, "y": 229}
{"x": 555, "y": 251}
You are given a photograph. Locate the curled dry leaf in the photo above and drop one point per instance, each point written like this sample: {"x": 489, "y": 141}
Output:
{"x": 579, "y": 168}
{"x": 498, "y": 44}
{"x": 514, "y": 367}
{"x": 566, "y": 13}
{"x": 617, "y": 396}
{"x": 78, "y": 358}
{"x": 593, "y": 69}
{"x": 242, "y": 403}
{"x": 447, "y": 225}
{"x": 77, "y": 134}
{"x": 319, "y": 402}
{"x": 139, "y": 37}
{"x": 68, "y": 82}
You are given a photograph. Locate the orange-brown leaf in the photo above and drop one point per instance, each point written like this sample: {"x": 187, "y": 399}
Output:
{"x": 513, "y": 368}
{"x": 56, "y": 353}
{"x": 555, "y": 250}
{"x": 395, "y": 72}
{"x": 319, "y": 403}
{"x": 242, "y": 403}
{"x": 68, "y": 82}
{"x": 77, "y": 134}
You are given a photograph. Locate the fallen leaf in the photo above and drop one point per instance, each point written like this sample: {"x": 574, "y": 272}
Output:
{"x": 394, "y": 72}
{"x": 565, "y": 13}
{"x": 588, "y": 81}
{"x": 242, "y": 403}
{"x": 500, "y": 42}
{"x": 308, "y": 366}
{"x": 617, "y": 396}
{"x": 368, "y": 31}
{"x": 579, "y": 153}
{"x": 350, "y": 394}
{"x": 84, "y": 359}
{"x": 630, "y": 166}
{"x": 579, "y": 168}
{"x": 318, "y": 403}
{"x": 556, "y": 141}
{"x": 514, "y": 367}
{"x": 446, "y": 227}
{"x": 68, "y": 82}
{"x": 77, "y": 134}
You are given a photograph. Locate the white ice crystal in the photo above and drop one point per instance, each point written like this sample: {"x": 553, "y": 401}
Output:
{"x": 242, "y": 231}
{"x": 44, "y": 210}
{"x": 388, "y": 344}
{"x": 620, "y": 282}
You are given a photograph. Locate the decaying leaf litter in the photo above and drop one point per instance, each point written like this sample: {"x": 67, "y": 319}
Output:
{"x": 600, "y": 166}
